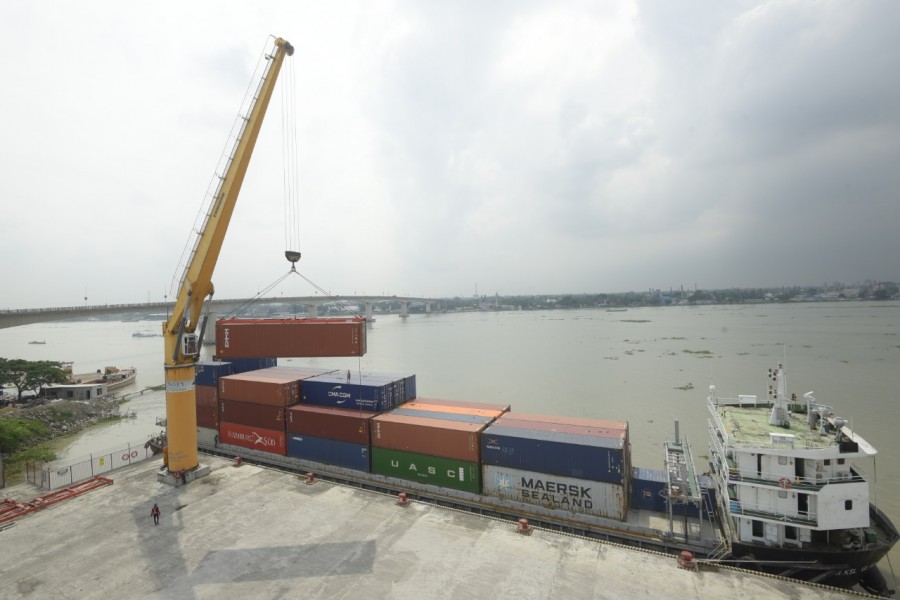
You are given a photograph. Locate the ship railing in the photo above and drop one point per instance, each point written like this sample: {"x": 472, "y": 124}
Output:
{"x": 737, "y": 507}
{"x": 716, "y": 420}
{"x": 785, "y": 481}
{"x": 714, "y": 440}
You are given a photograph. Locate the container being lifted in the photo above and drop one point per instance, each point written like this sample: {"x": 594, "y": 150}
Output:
{"x": 279, "y": 338}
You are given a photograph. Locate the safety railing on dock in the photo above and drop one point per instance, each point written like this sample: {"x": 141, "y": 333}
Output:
{"x": 52, "y": 476}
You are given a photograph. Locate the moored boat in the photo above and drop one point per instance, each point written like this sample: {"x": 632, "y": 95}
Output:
{"x": 113, "y": 377}
{"x": 791, "y": 500}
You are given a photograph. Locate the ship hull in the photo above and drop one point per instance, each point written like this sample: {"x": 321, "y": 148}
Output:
{"x": 836, "y": 567}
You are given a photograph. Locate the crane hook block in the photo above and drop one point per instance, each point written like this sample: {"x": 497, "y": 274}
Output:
{"x": 292, "y": 255}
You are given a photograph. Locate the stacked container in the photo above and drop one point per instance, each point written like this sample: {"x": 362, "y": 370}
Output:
{"x": 564, "y": 463}
{"x": 432, "y": 443}
{"x": 333, "y": 436}
{"x": 252, "y": 406}
{"x": 206, "y": 381}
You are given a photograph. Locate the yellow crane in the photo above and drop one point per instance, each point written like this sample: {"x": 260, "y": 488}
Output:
{"x": 182, "y": 343}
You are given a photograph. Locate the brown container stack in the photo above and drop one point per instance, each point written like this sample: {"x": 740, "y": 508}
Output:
{"x": 207, "y": 401}
{"x": 252, "y": 406}
{"x": 275, "y": 338}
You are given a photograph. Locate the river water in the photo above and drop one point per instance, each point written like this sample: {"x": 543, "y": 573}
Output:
{"x": 647, "y": 366}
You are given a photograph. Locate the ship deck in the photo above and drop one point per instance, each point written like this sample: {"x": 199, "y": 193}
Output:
{"x": 256, "y": 532}
{"x": 748, "y": 427}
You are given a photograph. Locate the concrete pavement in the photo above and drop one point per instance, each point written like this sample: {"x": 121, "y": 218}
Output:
{"x": 248, "y": 532}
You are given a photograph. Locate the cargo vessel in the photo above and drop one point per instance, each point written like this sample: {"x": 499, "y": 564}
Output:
{"x": 791, "y": 499}
{"x": 373, "y": 430}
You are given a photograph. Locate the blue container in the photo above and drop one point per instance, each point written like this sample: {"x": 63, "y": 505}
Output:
{"x": 443, "y": 416}
{"x": 332, "y": 452}
{"x": 364, "y": 391}
{"x": 557, "y": 453}
{"x": 648, "y": 487}
{"x": 243, "y": 365}
{"x": 208, "y": 372}
{"x": 404, "y": 385}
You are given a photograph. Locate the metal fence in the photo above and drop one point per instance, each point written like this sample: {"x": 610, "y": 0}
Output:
{"x": 56, "y": 475}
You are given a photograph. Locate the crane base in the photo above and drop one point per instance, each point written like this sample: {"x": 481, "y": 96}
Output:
{"x": 164, "y": 476}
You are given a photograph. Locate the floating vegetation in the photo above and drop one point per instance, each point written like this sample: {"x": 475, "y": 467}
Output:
{"x": 685, "y": 388}
{"x": 634, "y": 320}
{"x": 674, "y": 338}
{"x": 705, "y": 352}
{"x": 610, "y": 358}
{"x": 846, "y": 362}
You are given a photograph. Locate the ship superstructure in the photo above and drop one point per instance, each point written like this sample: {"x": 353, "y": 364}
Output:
{"x": 792, "y": 499}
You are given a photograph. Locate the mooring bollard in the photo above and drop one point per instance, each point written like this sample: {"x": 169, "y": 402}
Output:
{"x": 523, "y": 527}
{"x": 402, "y": 499}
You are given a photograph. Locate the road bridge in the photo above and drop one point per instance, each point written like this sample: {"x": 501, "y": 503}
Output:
{"x": 312, "y": 304}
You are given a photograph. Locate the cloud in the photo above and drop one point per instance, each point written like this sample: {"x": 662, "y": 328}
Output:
{"x": 525, "y": 147}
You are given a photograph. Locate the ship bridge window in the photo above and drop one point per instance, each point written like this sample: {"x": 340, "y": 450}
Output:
{"x": 758, "y": 529}
{"x": 840, "y": 461}
{"x": 827, "y": 461}
{"x": 848, "y": 504}
{"x": 790, "y": 533}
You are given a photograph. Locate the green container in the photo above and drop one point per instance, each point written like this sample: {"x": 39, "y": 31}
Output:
{"x": 432, "y": 470}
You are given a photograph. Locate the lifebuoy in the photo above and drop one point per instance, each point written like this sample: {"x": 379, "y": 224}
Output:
{"x": 785, "y": 483}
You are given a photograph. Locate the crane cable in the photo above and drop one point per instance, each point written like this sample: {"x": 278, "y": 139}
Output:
{"x": 290, "y": 166}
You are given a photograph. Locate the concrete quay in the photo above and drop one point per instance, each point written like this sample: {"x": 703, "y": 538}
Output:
{"x": 250, "y": 532}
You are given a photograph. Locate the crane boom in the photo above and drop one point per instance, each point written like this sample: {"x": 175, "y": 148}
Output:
{"x": 181, "y": 348}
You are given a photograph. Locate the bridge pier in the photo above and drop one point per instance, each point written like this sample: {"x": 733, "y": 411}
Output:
{"x": 368, "y": 311}
{"x": 428, "y": 308}
{"x": 404, "y": 309}
{"x": 313, "y": 310}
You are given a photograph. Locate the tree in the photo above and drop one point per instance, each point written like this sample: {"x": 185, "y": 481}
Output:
{"x": 30, "y": 375}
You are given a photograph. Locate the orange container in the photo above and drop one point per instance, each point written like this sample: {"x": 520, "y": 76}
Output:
{"x": 447, "y": 439}
{"x": 463, "y": 404}
{"x": 458, "y": 410}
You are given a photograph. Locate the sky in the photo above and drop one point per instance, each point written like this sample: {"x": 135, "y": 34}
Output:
{"x": 447, "y": 149}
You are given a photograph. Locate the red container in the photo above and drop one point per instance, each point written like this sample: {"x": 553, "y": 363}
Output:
{"x": 492, "y": 413}
{"x": 448, "y": 439}
{"x": 208, "y": 416}
{"x": 601, "y": 423}
{"x": 249, "y": 387}
{"x": 463, "y": 404}
{"x": 255, "y": 438}
{"x": 207, "y": 395}
{"x": 255, "y": 415}
{"x": 275, "y": 338}
{"x": 330, "y": 423}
